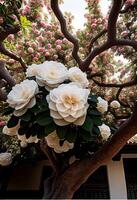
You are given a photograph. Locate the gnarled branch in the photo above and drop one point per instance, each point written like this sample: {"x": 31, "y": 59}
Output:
{"x": 81, "y": 170}
{"x": 48, "y": 152}
{"x": 6, "y": 52}
{"x": 70, "y": 37}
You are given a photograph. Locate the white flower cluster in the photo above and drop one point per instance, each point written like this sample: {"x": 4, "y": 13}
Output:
{"x": 54, "y": 142}
{"x": 22, "y": 96}
{"x": 22, "y": 138}
{"x": 68, "y": 104}
{"x": 5, "y": 159}
{"x": 102, "y": 105}
{"x": 115, "y": 104}
{"x": 51, "y": 74}
{"x": 105, "y": 131}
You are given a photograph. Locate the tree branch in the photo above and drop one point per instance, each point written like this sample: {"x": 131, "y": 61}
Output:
{"x": 10, "y": 30}
{"x": 70, "y": 37}
{"x": 4, "y": 74}
{"x": 129, "y": 8}
{"x": 81, "y": 170}
{"x": 49, "y": 154}
{"x": 121, "y": 85}
{"x": 3, "y": 95}
{"x": 96, "y": 38}
{"x": 112, "y": 20}
{"x": 4, "y": 51}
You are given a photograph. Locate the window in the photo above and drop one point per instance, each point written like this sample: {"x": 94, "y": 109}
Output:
{"x": 130, "y": 167}
{"x": 96, "y": 186}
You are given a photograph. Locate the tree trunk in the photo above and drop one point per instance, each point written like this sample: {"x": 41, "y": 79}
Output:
{"x": 56, "y": 188}
{"x": 66, "y": 184}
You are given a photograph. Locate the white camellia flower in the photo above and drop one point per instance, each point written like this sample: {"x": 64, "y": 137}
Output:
{"x": 31, "y": 139}
{"x": 48, "y": 74}
{"x": 11, "y": 131}
{"x": 53, "y": 142}
{"x": 23, "y": 144}
{"x": 102, "y": 105}
{"x": 68, "y": 104}
{"x": 32, "y": 70}
{"x": 5, "y": 159}
{"x": 105, "y": 131}
{"x": 76, "y": 75}
{"x": 115, "y": 104}
{"x": 22, "y": 96}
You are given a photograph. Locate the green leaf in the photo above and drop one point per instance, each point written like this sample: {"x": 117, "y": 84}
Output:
{"x": 62, "y": 131}
{"x": 38, "y": 130}
{"x": 50, "y": 128}
{"x": 71, "y": 135}
{"x": 86, "y": 135}
{"x": 40, "y": 107}
{"x": 13, "y": 121}
{"x": 93, "y": 98}
{"x": 35, "y": 109}
{"x": 24, "y": 123}
{"x": 43, "y": 119}
{"x": 97, "y": 121}
{"x": 88, "y": 124}
{"x": 96, "y": 130}
{"x": 25, "y": 22}
{"x": 43, "y": 106}
{"x": 94, "y": 112}
{"x": 27, "y": 116}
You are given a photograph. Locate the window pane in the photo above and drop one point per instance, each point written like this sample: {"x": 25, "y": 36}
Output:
{"x": 130, "y": 166}
{"x": 96, "y": 186}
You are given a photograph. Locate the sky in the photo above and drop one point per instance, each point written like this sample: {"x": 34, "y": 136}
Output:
{"x": 77, "y": 8}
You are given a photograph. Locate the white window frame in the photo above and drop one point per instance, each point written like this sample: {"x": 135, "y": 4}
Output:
{"x": 116, "y": 177}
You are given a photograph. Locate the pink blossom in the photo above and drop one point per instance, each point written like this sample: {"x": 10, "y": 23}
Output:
{"x": 41, "y": 49}
{"x": 58, "y": 47}
{"x": 10, "y": 37}
{"x": 37, "y": 32}
{"x": 27, "y": 9}
{"x": 43, "y": 24}
{"x": 35, "y": 59}
{"x": 28, "y": 43}
{"x": 48, "y": 26}
{"x": 34, "y": 44}
{"x": 49, "y": 45}
{"x": 47, "y": 54}
{"x": 2, "y": 123}
{"x": 37, "y": 55}
{"x": 40, "y": 38}
{"x": 19, "y": 33}
{"x": 94, "y": 25}
{"x": 58, "y": 42}
{"x": 30, "y": 50}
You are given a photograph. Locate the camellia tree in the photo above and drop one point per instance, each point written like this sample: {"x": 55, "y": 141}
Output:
{"x": 60, "y": 103}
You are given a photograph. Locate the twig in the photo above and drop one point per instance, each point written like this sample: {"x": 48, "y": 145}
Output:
{"x": 96, "y": 38}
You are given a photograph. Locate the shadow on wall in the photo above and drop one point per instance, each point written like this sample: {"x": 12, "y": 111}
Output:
{"x": 26, "y": 181}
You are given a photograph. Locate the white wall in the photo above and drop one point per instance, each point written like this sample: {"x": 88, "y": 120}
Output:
{"x": 116, "y": 178}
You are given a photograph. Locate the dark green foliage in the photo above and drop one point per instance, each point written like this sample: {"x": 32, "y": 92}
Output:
{"x": 13, "y": 121}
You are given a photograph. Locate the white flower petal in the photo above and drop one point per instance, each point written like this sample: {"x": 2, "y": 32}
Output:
{"x": 80, "y": 121}
{"x": 22, "y": 96}
{"x": 61, "y": 122}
